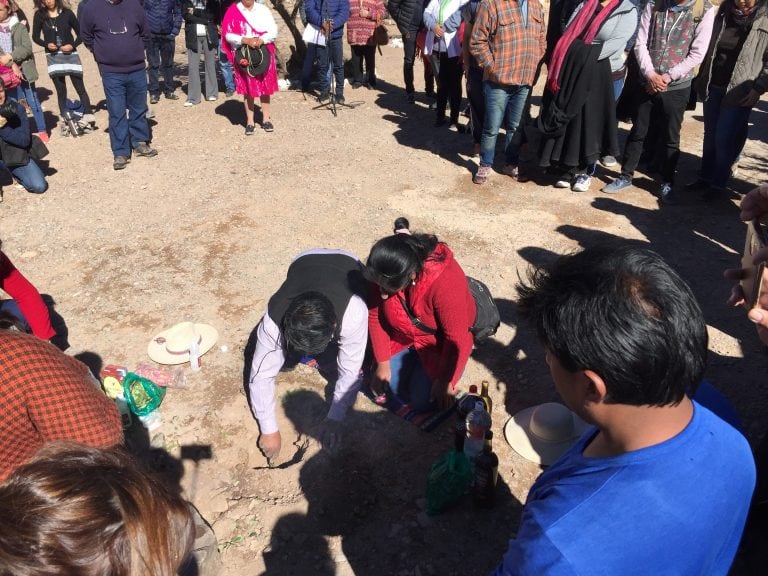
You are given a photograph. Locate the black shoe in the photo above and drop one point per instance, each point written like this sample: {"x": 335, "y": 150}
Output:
{"x": 268, "y": 127}
{"x": 372, "y": 84}
{"x": 713, "y": 193}
{"x": 324, "y": 98}
{"x": 154, "y": 98}
{"x": 250, "y": 129}
{"x": 144, "y": 149}
{"x": 229, "y": 93}
{"x": 411, "y": 97}
{"x": 171, "y": 96}
{"x": 698, "y": 185}
{"x": 356, "y": 85}
{"x": 340, "y": 100}
{"x": 120, "y": 162}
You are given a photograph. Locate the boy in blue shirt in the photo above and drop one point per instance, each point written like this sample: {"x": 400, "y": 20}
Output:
{"x": 659, "y": 485}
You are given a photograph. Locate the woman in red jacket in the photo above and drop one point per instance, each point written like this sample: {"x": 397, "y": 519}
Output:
{"x": 27, "y": 305}
{"x": 419, "y": 318}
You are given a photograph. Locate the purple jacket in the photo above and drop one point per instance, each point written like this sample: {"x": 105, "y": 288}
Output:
{"x": 116, "y": 33}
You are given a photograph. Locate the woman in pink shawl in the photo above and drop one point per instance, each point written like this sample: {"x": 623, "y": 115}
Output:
{"x": 252, "y": 24}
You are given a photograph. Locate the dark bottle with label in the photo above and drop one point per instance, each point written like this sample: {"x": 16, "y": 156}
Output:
{"x": 460, "y": 432}
{"x": 486, "y": 474}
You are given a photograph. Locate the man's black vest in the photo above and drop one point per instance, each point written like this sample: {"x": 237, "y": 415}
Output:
{"x": 336, "y": 276}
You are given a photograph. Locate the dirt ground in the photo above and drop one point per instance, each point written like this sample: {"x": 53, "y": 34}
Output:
{"x": 205, "y": 232}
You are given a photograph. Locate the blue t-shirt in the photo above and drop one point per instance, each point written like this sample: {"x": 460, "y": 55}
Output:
{"x": 677, "y": 508}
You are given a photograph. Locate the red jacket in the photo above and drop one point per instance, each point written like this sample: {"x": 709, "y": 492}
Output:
{"x": 27, "y": 297}
{"x": 440, "y": 298}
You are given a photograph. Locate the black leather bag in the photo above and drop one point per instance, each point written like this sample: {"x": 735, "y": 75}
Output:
{"x": 487, "y": 317}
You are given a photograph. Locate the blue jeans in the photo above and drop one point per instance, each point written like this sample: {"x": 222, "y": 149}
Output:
{"x": 126, "y": 91}
{"x": 28, "y": 91}
{"x": 30, "y": 176}
{"x": 618, "y": 86}
{"x": 333, "y": 52}
{"x": 309, "y": 66}
{"x": 226, "y": 69}
{"x": 409, "y": 381}
{"x": 725, "y": 131}
{"x": 160, "y": 58}
{"x": 12, "y": 308}
{"x": 503, "y": 105}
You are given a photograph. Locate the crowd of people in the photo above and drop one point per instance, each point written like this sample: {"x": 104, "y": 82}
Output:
{"x": 661, "y": 482}
{"x": 642, "y": 61}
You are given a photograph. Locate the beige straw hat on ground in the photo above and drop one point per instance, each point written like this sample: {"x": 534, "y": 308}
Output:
{"x": 172, "y": 346}
{"x": 543, "y": 433}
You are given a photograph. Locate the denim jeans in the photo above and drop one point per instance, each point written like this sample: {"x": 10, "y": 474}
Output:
{"x": 126, "y": 91}
{"x": 409, "y": 381}
{"x": 160, "y": 52}
{"x": 309, "y": 66}
{"x": 12, "y": 308}
{"x": 503, "y": 105}
{"x": 28, "y": 91}
{"x": 193, "y": 57}
{"x": 725, "y": 131}
{"x": 30, "y": 176}
{"x": 226, "y": 69}
{"x": 333, "y": 52}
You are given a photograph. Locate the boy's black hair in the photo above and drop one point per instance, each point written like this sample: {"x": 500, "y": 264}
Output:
{"x": 622, "y": 312}
{"x": 309, "y": 323}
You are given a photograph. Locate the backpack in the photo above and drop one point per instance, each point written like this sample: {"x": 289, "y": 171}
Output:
{"x": 487, "y": 317}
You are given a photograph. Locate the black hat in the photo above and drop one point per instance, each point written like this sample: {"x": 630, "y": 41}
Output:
{"x": 253, "y": 61}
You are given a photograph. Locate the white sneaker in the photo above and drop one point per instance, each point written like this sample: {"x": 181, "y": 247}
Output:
{"x": 582, "y": 184}
{"x": 211, "y": 99}
{"x": 189, "y": 104}
{"x": 563, "y": 183}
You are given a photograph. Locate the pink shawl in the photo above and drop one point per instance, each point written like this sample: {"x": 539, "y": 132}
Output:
{"x": 235, "y": 22}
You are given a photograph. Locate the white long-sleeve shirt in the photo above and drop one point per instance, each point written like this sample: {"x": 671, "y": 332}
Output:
{"x": 269, "y": 357}
{"x": 260, "y": 19}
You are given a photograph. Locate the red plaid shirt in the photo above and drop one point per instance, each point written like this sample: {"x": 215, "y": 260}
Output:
{"x": 46, "y": 395}
{"x": 508, "y": 50}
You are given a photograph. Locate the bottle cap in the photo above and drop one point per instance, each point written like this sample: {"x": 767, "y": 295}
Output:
{"x": 473, "y": 389}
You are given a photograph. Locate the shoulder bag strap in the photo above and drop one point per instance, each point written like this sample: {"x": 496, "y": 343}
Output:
{"x": 415, "y": 321}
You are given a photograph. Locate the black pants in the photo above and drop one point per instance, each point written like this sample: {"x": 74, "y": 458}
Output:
{"x": 367, "y": 53}
{"x": 448, "y": 84}
{"x": 60, "y": 84}
{"x": 409, "y": 45}
{"x": 666, "y": 108}
{"x": 476, "y": 102}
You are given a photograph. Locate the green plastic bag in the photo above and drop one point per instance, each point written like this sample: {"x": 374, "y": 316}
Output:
{"x": 449, "y": 478}
{"x": 143, "y": 396}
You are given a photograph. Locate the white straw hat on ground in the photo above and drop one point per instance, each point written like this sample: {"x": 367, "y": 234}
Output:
{"x": 172, "y": 346}
{"x": 543, "y": 433}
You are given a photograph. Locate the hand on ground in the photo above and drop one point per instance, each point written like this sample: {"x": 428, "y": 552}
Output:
{"x": 269, "y": 444}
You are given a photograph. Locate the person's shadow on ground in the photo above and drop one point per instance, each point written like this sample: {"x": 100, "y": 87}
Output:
{"x": 370, "y": 498}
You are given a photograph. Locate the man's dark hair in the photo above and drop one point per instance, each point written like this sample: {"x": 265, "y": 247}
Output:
{"x": 394, "y": 259}
{"x": 623, "y": 313}
{"x": 309, "y": 324}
